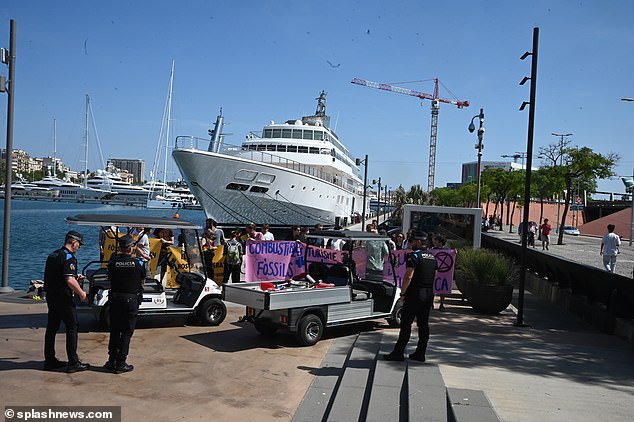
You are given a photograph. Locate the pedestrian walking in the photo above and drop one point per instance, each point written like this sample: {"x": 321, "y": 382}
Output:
{"x": 61, "y": 282}
{"x": 418, "y": 296}
{"x": 610, "y": 248}
{"x": 126, "y": 275}
{"x": 544, "y": 231}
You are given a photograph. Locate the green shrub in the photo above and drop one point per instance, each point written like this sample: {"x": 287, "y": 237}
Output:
{"x": 485, "y": 267}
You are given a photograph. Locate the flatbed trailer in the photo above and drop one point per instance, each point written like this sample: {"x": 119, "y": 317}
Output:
{"x": 329, "y": 295}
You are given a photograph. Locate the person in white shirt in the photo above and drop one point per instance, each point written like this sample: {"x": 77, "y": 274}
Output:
{"x": 610, "y": 248}
{"x": 266, "y": 234}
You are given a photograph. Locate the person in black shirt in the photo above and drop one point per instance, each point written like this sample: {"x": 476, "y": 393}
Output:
{"x": 418, "y": 294}
{"x": 60, "y": 283}
{"x": 126, "y": 275}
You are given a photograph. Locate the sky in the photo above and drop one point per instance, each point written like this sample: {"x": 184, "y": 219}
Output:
{"x": 269, "y": 60}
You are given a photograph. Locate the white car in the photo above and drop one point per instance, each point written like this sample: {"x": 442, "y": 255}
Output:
{"x": 571, "y": 230}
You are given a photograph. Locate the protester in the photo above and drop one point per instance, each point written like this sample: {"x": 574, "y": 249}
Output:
{"x": 233, "y": 259}
{"x": 266, "y": 234}
{"x": 439, "y": 241}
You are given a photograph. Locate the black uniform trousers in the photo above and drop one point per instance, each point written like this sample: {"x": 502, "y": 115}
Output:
{"x": 123, "y": 313}
{"x": 61, "y": 308}
{"x": 417, "y": 305}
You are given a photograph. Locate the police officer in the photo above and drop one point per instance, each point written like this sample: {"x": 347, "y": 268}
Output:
{"x": 60, "y": 283}
{"x": 418, "y": 295}
{"x": 126, "y": 275}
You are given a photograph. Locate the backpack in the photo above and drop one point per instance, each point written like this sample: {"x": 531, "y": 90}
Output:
{"x": 233, "y": 252}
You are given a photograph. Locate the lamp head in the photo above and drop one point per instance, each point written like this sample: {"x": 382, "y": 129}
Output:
{"x": 471, "y": 127}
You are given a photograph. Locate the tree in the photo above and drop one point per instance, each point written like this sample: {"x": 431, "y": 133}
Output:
{"x": 585, "y": 167}
{"x": 500, "y": 182}
{"x": 545, "y": 183}
{"x": 415, "y": 196}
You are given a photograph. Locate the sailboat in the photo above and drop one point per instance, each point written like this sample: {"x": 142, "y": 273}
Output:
{"x": 161, "y": 195}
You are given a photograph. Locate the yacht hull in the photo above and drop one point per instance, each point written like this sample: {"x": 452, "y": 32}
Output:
{"x": 235, "y": 190}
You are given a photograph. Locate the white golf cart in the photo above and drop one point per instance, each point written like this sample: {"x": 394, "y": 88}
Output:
{"x": 330, "y": 293}
{"x": 198, "y": 294}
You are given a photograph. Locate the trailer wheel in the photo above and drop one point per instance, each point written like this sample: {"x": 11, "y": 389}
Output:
{"x": 264, "y": 328}
{"x": 395, "y": 320}
{"x": 104, "y": 317}
{"x": 310, "y": 330}
{"x": 212, "y": 311}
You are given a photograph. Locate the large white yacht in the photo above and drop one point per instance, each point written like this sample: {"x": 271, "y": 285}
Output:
{"x": 111, "y": 181}
{"x": 297, "y": 172}
{"x": 73, "y": 191}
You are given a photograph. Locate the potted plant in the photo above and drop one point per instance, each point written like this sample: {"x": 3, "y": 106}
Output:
{"x": 486, "y": 279}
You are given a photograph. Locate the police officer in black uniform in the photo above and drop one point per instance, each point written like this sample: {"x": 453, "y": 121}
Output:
{"x": 418, "y": 295}
{"x": 60, "y": 283}
{"x": 126, "y": 275}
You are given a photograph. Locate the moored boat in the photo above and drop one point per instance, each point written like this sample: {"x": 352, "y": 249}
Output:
{"x": 297, "y": 172}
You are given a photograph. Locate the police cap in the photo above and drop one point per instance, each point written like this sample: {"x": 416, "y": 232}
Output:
{"x": 126, "y": 241}
{"x": 73, "y": 235}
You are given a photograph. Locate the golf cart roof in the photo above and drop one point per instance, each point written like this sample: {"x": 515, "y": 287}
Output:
{"x": 130, "y": 221}
{"x": 346, "y": 234}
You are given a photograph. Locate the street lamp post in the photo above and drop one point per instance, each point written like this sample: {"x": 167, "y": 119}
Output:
{"x": 8, "y": 58}
{"x": 365, "y": 187}
{"x": 479, "y": 146}
{"x": 378, "y": 200}
{"x": 631, "y": 190}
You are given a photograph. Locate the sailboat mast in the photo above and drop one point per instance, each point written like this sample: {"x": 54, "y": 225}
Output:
{"x": 86, "y": 144}
{"x": 55, "y": 147}
{"x": 167, "y": 132}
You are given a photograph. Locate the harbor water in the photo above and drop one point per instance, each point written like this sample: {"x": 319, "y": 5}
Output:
{"x": 38, "y": 228}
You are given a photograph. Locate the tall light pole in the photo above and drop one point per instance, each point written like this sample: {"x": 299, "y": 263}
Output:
{"x": 631, "y": 190}
{"x": 365, "y": 187}
{"x": 8, "y": 57}
{"x": 479, "y": 146}
{"x": 529, "y": 166}
{"x": 378, "y": 200}
{"x": 562, "y": 139}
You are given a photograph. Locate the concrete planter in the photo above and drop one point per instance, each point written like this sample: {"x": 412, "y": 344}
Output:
{"x": 489, "y": 299}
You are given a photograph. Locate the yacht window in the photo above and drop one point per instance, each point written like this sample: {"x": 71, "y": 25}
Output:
{"x": 237, "y": 186}
{"x": 286, "y": 133}
{"x": 308, "y": 134}
{"x": 259, "y": 189}
{"x": 268, "y": 133}
{"x": 265, "y": 178}
{"x": 277, "y": 133}
{"x": 303, "y": 150}
{"x": 314, "y": 150}
{"x": 319, "y": 135}
{"x": 291, "y": 148}
{"x": 270, "y": 147}
{"x": 281, "y": 148}
{"x": 261, "y": 147}
{"x": 297, "y": 134}
{"x": 252, "y": 147}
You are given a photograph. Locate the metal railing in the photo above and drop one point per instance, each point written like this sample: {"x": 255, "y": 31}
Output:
{"x": 192, "y": 142}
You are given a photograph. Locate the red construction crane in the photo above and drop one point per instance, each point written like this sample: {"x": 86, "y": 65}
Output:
{"x": 434, "y": 116}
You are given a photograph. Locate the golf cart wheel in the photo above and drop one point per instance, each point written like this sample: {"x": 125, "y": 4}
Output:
{"x": 212, "y": 311}
{"x": 310, "y": 330}
{"x": 104, "y": 317}
{"x": 266, "y": 329}
{"x": 395, "y": 320}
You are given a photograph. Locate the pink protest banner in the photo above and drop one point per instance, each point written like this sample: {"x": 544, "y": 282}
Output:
{"x": 445, "y": 260}
{"x": 273, "y": 260}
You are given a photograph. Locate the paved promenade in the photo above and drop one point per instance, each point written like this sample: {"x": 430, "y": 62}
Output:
{"x": 583, "y": 249}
